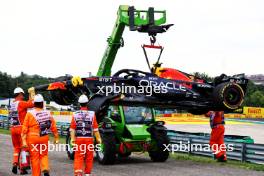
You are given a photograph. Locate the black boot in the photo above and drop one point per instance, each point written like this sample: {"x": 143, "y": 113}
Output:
{"x": 23, "y": 172}
{"x": 14, "y": 168}
{"x": 222, "y": 159}
{"x": 46, "y": 173}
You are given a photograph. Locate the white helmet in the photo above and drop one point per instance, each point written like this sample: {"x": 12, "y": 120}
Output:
{"x": 18, "y": 90}
{"x": 83, "y": 99}
{"x": 38, "y": 98}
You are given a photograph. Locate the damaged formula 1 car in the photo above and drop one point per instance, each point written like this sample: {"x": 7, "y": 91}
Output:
{"x": 138, "y": 88}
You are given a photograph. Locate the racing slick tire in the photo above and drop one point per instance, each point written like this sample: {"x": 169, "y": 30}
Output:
{"x": 228, "y": 95}
{"x": 124, "y": 155}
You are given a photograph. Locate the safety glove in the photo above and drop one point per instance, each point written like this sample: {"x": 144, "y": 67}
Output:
{"x": 97, "y": 137}
{"x": 24, "y": 141}
{"x": 72, "y": 133}
{"x": 31, "y": 92}
{"x": 56, "y": 139}
{"x": 77, "y": 81}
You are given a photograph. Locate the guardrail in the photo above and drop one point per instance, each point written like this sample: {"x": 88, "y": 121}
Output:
{"x": 4, "y": 122}
{"x": 244, "y": 152}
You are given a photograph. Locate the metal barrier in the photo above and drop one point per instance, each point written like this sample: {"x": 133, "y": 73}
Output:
{"x": 245, "y": 152}
{"x": 4, "y": 122}
{"x": 62, "y": 127}
{"x": 198, "y": 145}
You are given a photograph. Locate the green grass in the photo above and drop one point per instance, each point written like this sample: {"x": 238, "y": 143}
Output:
{"x": 4, "y": 131}
{"x": 230, "y": 163}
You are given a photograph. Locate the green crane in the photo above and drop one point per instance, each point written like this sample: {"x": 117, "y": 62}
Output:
{"x": 124, "y": 129}
{"x": 136, "y": 20}
{"x": 127, "y": 129}
{"x": 131, "y": 133}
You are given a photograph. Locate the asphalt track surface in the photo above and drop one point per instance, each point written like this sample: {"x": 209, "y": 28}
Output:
{"x": 136, "y": 165}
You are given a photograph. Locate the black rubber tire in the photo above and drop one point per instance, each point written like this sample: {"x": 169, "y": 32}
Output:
{"x": 160, "y": 138}
{"x": 69, "y": 152}
{"x": 108, "y": 156}
{"x": 223, "y": 90}
{"x": 124, "y": 155}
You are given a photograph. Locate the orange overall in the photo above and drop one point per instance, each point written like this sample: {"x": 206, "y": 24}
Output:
{"x": 36, "y": 125}
{"x": 84, "y": 123}
{"x": 17, "y": 114}
{"x": 217, "y": 135}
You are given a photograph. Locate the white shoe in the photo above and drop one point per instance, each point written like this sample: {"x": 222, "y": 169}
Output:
{"x": 87, "y": 174}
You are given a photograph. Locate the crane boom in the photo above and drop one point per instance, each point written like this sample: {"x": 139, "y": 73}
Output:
{"x": 136, "y": 20}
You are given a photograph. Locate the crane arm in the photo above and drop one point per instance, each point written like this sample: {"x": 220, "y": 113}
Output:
{"x": 137, "y": 20}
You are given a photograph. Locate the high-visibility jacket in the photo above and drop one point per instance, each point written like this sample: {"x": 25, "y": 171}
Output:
{"x": 38, "y": 123}
{"x": 216, "y": 118}
{"x": 84, "y": 123}
{"x": 17, "y": 112}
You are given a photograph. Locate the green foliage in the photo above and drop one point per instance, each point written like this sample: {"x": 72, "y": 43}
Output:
{"x": 255, "y": 95}
{"x": 203, "y": 76}
{"x": 206, "y": 160}
{"x": 6, "y": 85}
{"x": 9, "y": 83}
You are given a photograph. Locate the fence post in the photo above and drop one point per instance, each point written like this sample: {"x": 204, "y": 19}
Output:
{"x": 243, "y": 152}
{"x": 61, "y": 128}
{"x": 8, "y": 124}
{"x": 4, "y": 124}
{"x": 190, "y": 146}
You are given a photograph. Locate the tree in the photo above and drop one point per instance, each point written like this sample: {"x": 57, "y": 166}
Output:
{"x": 203, "y": 76}
{"x": 254, "y": 95}
{"x": 256, "y": 99}
{"x": 8, "y": 83}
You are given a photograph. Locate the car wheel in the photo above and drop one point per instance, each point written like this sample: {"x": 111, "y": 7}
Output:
{"x": 161, "y": 139}
{"x": 107, "y": 153}
{"x": 124, "y": 155}
{"x": 228, "y": 95}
